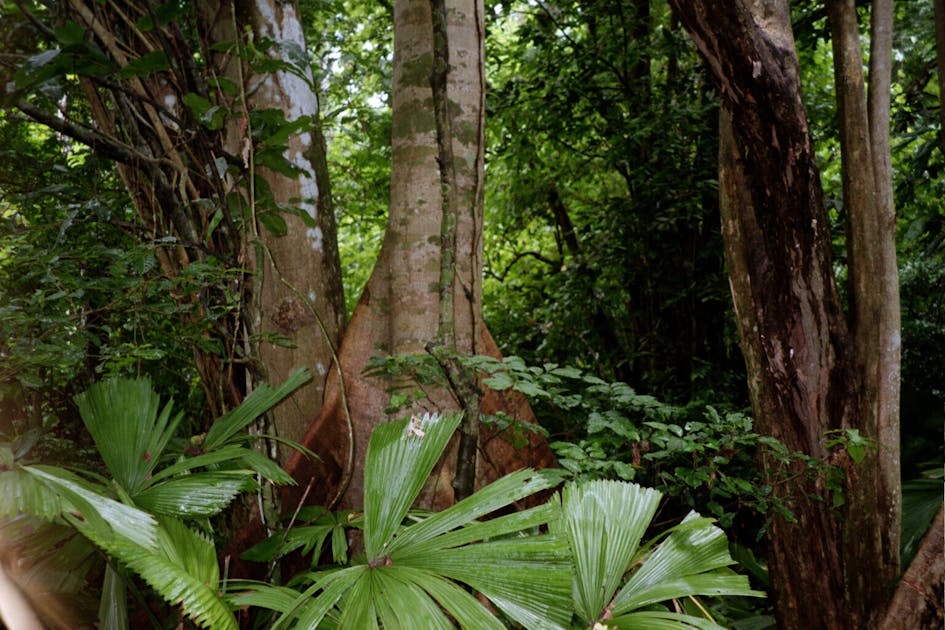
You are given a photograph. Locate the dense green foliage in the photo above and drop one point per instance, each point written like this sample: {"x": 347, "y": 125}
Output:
{"x": 570, "y": 577}
{"x": 149, "y": 512}
{"x": 605, "y": 284}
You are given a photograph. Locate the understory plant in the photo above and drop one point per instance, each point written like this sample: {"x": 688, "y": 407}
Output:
{"x": 574, "y": 561}
{"x": 150, "y": 513}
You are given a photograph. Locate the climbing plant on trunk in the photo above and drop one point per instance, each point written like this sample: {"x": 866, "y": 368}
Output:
{"x": 209, "y": 112}
{"x": 424, "y": 293}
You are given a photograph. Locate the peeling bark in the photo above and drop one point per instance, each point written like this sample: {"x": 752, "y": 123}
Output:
{"x": 810, "y": 371}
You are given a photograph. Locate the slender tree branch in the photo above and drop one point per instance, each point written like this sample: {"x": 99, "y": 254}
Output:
{"x": 108, "y": 146}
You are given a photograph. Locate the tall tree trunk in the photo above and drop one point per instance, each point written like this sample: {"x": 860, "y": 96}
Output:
{"x": 809, "y": 373}
{"x": 873, "y": 292}
{"x": 400, "y": 309}
{"x": 297, "y": 307}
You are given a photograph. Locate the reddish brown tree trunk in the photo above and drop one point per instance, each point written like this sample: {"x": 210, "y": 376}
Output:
{"x": 809, "y": 373}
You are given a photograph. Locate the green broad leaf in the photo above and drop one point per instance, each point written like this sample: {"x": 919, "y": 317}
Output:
{"x": 261, "y": 400}
{"x": 189, "y": 549}
{"x": 359, "y": 606}
{"x": 268, "y": 469}
{"x": 669, "y": 571}
{"x": 227, "y": 454}
{"x": 604, "y": 522}
{"x": 273, "y": 158}
{"x": 499, "y": 494}
{"x": 313, "y": 604}
{"x": 113, "y": 606}
{"x": 529, "y": 579}
{"x": 149, "y": 63}
{"x": 105, "y": 515}
{"x": 210, "y": 116}
{"x": 400, "y": 602}
{"x": 309, "y": 538}
{"x": 198, "y": 105}
{"x": 499, "y": 381}
{"x": 218, "y": 214}
{"x": 400, "y": 457}
{"x": 455, "y": 600}
{"x": 196, "y": 495}
{"x": 261, "y": 595}
{"x": 661, "y": 620}
{"x": 70, "y": 34}
{"x": 122, "y": 415}
{"x": 182, "y": 571}
{"x": 478, "y": 531}
{"x": 285, "y": 130}
{"x": 283, "y": 543}
{"x": 274, "y": 223}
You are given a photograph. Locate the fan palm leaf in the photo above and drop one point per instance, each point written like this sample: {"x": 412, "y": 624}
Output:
{"x": 411, "y": 572}
{"x": 129, "y": 428}
{"x": 605, "y": 521}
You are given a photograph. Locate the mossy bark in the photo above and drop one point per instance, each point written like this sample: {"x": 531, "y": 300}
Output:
{"x": 297, "y": 305}
{"x": 399, "y": 311}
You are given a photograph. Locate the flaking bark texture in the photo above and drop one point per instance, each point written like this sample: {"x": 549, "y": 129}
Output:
{"x": 398, "y": 313}
{"x": 809, "y": 373}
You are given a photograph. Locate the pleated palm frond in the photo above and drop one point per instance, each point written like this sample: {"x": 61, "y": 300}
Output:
{"x": 605, "y": 521}
{"x": 142, "y": 530}
{"x": 413, "y": 575}
{"x": 130, "y": 429}
{"x": 179, "y": 563}
{"x": 182, "y": 568}
{"x": 228, "y": 427}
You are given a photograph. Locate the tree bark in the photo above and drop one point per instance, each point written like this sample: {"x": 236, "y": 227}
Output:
{"x": 809, "y": 373}
{"x": 920, "y": 599}
{"x": 183, "y": 173}
{"x": 297, "y": 310}
{"x": 873, "y": 290}
{"x": 399, "y": 311}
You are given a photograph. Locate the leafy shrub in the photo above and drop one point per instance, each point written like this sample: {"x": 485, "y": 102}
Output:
{"x": 587, "y": 568}
{"x": 150, "y": 515}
